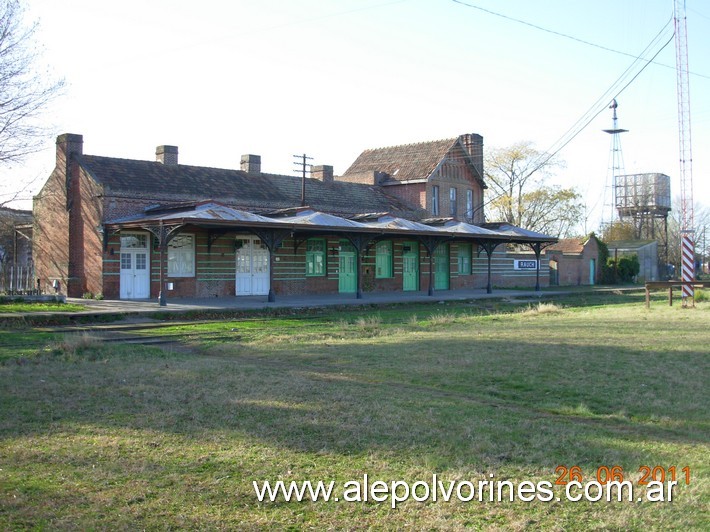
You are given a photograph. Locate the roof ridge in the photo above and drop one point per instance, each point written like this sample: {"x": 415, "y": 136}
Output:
{"x": 451, "y": 140}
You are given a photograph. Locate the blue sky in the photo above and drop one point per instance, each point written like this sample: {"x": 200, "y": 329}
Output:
{"x": 332, "y": 78}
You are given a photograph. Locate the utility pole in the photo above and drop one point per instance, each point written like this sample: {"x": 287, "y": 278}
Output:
{"x": 686, "y": 154}
{"x": 301, "y": 160}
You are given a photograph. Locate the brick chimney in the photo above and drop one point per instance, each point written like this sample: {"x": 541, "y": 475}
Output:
{"x": 323, "y": 173}
{"x": 473, "y": 143}
{"x": 168, "y": 155}
{"x": 251, "y": 164}
{"x": 69, "y": 144}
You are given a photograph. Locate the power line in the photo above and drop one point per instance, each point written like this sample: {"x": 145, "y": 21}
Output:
{"x": 600, "y": 105}
{"x": 564, "y": 35}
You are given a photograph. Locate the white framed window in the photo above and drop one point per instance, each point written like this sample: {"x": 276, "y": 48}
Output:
{"x": 469, "y": 204}
{"x": 452, "y": 201}
{"x": 181, "y": 256}
{"x": 435, "y": 200}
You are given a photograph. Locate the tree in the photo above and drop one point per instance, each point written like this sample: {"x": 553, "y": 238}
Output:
{"x": 619, "y": 230}
{"x": 518, "y": 195}
{"x": 25, "y": 88}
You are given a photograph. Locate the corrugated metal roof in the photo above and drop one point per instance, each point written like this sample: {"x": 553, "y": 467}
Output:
{"x": 209, "y": 211}
{"x": 395, "y": 223}
{"x": 504, "y": 228}
{"x": 213, "y": 213}
{"x": 465, "y": 228}
{"x": 320, "y": 219}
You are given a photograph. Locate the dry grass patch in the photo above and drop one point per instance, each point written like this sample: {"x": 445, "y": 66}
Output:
{"x": 541, "y": 308}
{"x": 73, "y": 344}
{"x": 443, "y": 318}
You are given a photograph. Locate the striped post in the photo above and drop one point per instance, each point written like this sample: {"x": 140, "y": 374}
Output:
{"x": 688, "y": 266}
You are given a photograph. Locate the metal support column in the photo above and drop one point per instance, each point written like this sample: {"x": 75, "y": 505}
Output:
{"x": 272, "y": 238}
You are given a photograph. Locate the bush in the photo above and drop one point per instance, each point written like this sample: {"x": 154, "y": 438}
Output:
{"x": 629, "y": 268}
{"x": 624, "y": 269}
{"x": 88, "y": 295}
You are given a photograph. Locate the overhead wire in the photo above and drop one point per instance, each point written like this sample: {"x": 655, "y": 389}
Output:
{"x": 601, "y": 104}
{"x": 564, "y": 35}
{"x": 603, "y": 101}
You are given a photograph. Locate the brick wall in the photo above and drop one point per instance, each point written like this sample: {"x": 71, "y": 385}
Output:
{"x": 90, "y": 241}
{"x": 573, "y": 269}
{"x": 502, "y": 273}
{"x": 453, "y": 172}
{"x": 50, "y": 231}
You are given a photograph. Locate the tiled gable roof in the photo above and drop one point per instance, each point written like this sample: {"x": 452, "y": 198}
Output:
{"x": 569, "y": 246}
{"x": 161, "y": 182}
{"x": 403, "y": 163}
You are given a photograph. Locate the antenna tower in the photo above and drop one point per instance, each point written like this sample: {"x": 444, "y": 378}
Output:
{"x": 685, "y": 152}
{"x": 616, "y": 156}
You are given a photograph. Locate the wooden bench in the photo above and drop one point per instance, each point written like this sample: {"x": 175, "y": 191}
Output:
{"x": 658, "y": 285}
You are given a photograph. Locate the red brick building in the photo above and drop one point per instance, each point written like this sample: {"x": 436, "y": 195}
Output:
{"x": 574, "y": 261}
{"x": 401, "y": 218}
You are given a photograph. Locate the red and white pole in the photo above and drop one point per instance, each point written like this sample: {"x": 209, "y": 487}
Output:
{"x": 687, "y": 267}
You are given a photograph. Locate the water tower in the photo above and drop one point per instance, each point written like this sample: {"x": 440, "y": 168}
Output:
{"x": 645, "y": 200}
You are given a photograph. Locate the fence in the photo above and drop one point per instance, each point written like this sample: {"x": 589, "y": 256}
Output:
{"x": 17, "y": 280}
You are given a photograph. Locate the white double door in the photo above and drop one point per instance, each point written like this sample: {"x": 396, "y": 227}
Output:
{"x": 135, "y": 274}
{"x": 252, "y": 267}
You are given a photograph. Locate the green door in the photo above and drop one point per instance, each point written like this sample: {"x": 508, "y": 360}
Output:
{"x": 410, "y": 266}
{"x": 592, "y": 271}
{"x": 441, "y": 267}
{"x": 347, "y": 281}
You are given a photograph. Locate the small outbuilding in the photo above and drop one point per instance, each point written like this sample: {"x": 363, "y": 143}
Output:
{"x": 574, "y": 261}
{"x": 647, "y": 252}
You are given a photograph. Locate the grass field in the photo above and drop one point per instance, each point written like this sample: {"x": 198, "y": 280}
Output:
{"x": 96, "y": 435}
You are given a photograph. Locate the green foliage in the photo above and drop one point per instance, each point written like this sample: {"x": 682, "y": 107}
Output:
{"x": 620, "y": 230}
{"x": 518, "y": 193}
{"x": 606, "y": 275}
{"x": 624, "y": 269}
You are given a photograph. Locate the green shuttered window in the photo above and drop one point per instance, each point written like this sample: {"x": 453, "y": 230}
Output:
{"x": 464, "y": 256}
{"x": 315, "y": 257}
{"x": 383, "y": 259}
